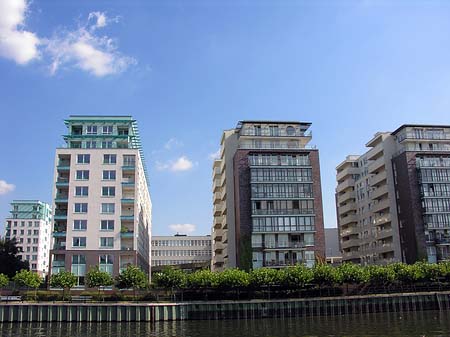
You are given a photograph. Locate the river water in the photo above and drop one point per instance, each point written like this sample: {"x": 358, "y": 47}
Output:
{"x": 424, "y": 323}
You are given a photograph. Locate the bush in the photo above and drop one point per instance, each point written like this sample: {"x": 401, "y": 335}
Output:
{"x": 202, "y": 279}
{"x": 325, "y": 275}
{"x": 265, "y": 277}
{"x": 170, "y": 278}
{"x": 296, "y": 277}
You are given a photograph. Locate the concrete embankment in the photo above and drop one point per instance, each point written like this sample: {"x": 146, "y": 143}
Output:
{"x": 129, "y": 312}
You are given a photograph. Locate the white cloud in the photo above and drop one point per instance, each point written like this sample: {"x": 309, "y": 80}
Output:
{"x": 84, "y": 49}
{"x": 181, "y": 164}
{"x": 183, "y": 228}
{"x": 215, "y": 155}
{"x": 16, "y": 44}
{"x": 5, "y": 187}
{"x": 173, "y": 143}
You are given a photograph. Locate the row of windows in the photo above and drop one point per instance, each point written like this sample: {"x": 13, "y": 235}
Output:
{"x": 104, "y": 242}
{"x": 29, "y": 241}
{"x": 174, "y": 262}
{"x": 282, "y": 191}
{"x": 435, "y": 174}
{"x": 27, "y": 257}
{"x": 432, "y": 161}
{"x": 275, "y": 160}
{"x": 437, "y": 220}
{"x": 181, "y": 252}
{"x": 83, "y": 191}
{"x": 181, "y": 243}
{"x": 28, "y": 249}
{"x": 272, "y": 174}
{"x": 106, "y": 175}
{"x": 128, "y": 160}
{"x": 29, "y": 232}
{"x": 435, "y": 190}
{"x": 106, "y": 208}
{"x": 436, "y": 205}
{"x": 283, "y": 224}
{"x": 22, "y": 223}
{"x": 105, "y": 225}
{"x": 282, "y": 207}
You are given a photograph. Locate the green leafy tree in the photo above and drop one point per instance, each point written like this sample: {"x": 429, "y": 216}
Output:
{"x": 4, "y": 281}
{"x": 29, "y": 279}
{"x": 380, "y": 275}
{"x": 202, "y": 279}
{"x": 233, "y": 278}
{"x": 170, "y": 278}
{"x": 350, "y": 273}
{"x": 296, "y": 277}
{"x": 10, "y": 263}
{"x": 264, "y": 277}
{"x": 65, "y": 280}
{"x": 325, "y": 275}
{"x": 132, "y": 278}
{"x": 95, "y": 278}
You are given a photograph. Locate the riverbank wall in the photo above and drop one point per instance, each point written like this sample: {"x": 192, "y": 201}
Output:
{"x": 217, "y": 310}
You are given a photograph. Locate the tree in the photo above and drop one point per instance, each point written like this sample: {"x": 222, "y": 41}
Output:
{"x": 10, "y": 263}
{"x": 170, "y": 278}
{"x": 296, "y": 277}
{"x": 65, "y": 280}
{"x": 132, "y": 277}
{"x": 95, "y": 278}
{"x": 29, "y": 279}
{"x": 265, "y": 277}
{"x": 233, "y": 278}
{"x": 202, "y": 279}
{"x": 325, "y": 275}
{"x": 4, "y": 281}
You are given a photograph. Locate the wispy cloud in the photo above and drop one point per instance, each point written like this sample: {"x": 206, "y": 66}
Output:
{"x": 215, "y": 155}
{"x": 16, "y": 43}
{"x": 183, "y": 228}
{"x": 183, "y": 163}
{"x": 173, "y": 143}
{"x": 5, "y": 187}
{"x": 83, "y": 48}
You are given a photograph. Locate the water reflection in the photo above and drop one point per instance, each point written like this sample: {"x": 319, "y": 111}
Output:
{"x": 425, "y": 323}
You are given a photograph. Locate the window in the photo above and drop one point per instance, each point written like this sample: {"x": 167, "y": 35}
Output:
{"x": 107, "y": 145}
{"x": 107, "y": 225}
{"x": 109, "y": 175}
{"x": 107, "y": 129}
{"x": 79, "y": 241}
{"x": 35, "y": 240}
{"x": 34, "y": 257}
{"x": 81, "y": 208}
{"x": 290, "y": 131}
{"x": 82, "y": 175}
{"x": 108, "y": 208}
{"x": 109, "y": 159}
{"x": 106, "y": 263}
{"x": 108, "y": 191}
{"x": 79, "y": 225}
{"x": 91, "y": 144}
{"x": 91, "y": 130}
{"x": 81, "y": 191}
{"x": 106, "y": 242}
{"x": 129, "y": 160}
{"x": 83, "y": 159}
{"x": 36, "y": 232}
{"x": 79, "y": 268}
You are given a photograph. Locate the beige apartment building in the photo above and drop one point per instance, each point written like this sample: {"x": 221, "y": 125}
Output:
{"x": 387, "y": 212}
{"x": 267, "y": 200}
{"x": 102, "y": 207}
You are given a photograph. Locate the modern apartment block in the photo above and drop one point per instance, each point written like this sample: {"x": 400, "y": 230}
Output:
{"x": 181, "y": 249}
{"x": 30, "y": 226}
{"x": 102, "y": 207}
{"x": 393, "y": 202}
{"x": 267, "y": 197}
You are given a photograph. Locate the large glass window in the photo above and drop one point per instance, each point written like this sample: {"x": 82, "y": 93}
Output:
{"x": 108, "y": 208}
{"x": 106, "y": 242}
{"x": 79, "y": 268}
{"x": 107, "y": 225}
{"x": 79, "y": 241}
{"x": 109, "y": 175}
{"x": 108, "y": 191}
{"x": 79, "y": 225}
{"x": 81, "y": 191}
{"x": 109, "y": 159}
{"x": 129, "y": 160}
{"x": 83, "y": 159}
{"x": 106, "y": 263}
{"x": 80, "y": 207}
{"x": 82, "y": 175}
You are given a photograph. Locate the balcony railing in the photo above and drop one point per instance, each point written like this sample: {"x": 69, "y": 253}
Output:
{"x": 283, "y": 245}
{"x": 274, "y": 195}
{"x": 291, "y": 211}
{"x": 274, "y": 133}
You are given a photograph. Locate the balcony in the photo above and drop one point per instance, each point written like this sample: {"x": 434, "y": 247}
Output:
{"x": 350, "y": 230}
{"x": 60, "y": 215}
{"x": 131, "y": 166}
{"x": 128, "y": 184}
{"x": 377, "y": 178}
{"x": 380, "y": 205}
{"x": 349, "y": 207}
{"x": 218, "y": 259}
{"x": 63, "y": 167}
{"x": 217, "y": 196}
{"x": 217, "y": 235}
{"x": 379, "y": 192}
{"x": 286, "y": 245}
{"x": 425, "y": 136}
{"x": 348, "y": 219}
{"x": 62, "y": 182}
{"x": 216, "y": 185}
{"x": 127, "y": 217}
{"x": 375, "y": 152}
{"x": 384, "y": 233}
{"x": 127, "y": 234}
{"x": 442, "y": 241}
{"x": 128, "y": 247}
{"x": 349, "y": 183}
{"x": 59, "y": 234}
{"x": 127, "y": 201}
{"x": 289, "y": 211}
{"x": 348, "y": 171}
{"x": 218, "y": 209}
{"x": 61, "y": 198}
{"x": 225, "y": 236}
{"x": 58, "y": 263}
{"x": 278, "y": 133}
{"x": 376, "y": 165}
{"x": 218, "y": 246}
{"x": 354, "y": 242}
{"x": 59, "y": 246}
{"x": 382, "y": 220}
{"x": 351, "y": 255}
{"x": 349, "y": 195}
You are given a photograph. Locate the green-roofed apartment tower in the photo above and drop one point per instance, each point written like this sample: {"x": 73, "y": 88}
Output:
{"x": 102, "y": 206}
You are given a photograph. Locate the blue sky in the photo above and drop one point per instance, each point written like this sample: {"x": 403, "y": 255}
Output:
{"x": 187, "y": 70}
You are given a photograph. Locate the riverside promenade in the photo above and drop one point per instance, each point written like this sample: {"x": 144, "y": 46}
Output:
{"x": 218, "y": 310}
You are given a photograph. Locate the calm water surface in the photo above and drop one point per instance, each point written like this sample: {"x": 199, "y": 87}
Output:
{"x": 427, "y": 323}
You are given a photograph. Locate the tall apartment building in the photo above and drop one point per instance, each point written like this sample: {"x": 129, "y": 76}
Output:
{"x": 102, "y": 207}
{"x": 267, "y": 197}
{"x": 393, "y": 202}
{"x": 181, "y": 249}
{"x": 30, "y": 226}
